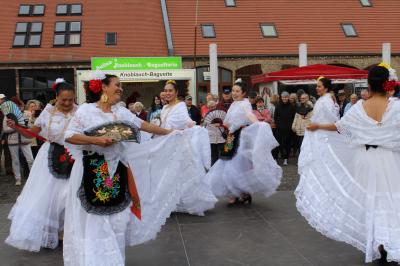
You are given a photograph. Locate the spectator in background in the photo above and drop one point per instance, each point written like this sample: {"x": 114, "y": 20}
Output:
{"x": 226, "y": 100}
{"x": 283, "y": 117}
{"x": 215, "y": 133}
{"x": 155, "y": 110}
{"x": 353, "y": 101}
{"x": 364, "y": 94}
{"x": 252, "y": 99}
{"x": 302, "y": 119}
{"x": 204, "y": 108}
{"x": 337, "y": 108}
{"x": 342, "y": 102}
{"x": 261, "y": 112}
{"x": 32, "y": 111}
{"x": 274, "y": 101}
{"x": 132, "y": 98}
{"x": 138, "y": 109}
{"x": 2, "y": 146}
{"x": 293, "y": 99}
{"x": 193, "y": 111}
{"x": 162, "y": 98}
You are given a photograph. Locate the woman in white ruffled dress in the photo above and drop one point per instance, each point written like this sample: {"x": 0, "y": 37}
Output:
{"x": 103, "y": 213}
{"x": 246, "y": 165}
{"x": 198, "y": 198}
{"x": 37, "y": 217}
{"x": 350, "y": 190}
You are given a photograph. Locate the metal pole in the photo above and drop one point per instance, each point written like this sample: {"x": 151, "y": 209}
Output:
{"x": 195, "y": 35}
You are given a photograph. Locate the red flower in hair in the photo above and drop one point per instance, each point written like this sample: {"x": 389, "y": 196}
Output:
{"x": 54, "y": 86}
{"x": 390, "y": 85}
{"x": 95, "y": 85}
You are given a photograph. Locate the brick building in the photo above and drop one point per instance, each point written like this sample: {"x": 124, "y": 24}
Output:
{"x": 43, "y": 39}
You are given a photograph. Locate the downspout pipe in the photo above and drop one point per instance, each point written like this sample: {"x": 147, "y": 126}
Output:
{"x": 167, "y": 27}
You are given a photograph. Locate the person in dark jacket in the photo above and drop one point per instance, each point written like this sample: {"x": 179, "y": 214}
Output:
{"x": 284, "y": 116}
{"x": 226, "y": 100}
{"x": 193, "y": 111}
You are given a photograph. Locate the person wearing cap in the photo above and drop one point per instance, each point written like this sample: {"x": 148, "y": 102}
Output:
{"x": 226, "y": 100}
{"x": 193, "y": 111}
{"x": 353, "y": 101}
{"x": 252, "y": 99}
{"x": 342, "y": 102}
{"x": 284, "y": 116}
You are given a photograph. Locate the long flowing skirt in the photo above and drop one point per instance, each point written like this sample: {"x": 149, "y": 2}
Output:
{"x": 38, "y": 215}
{"x": 163, "y": 169}
{"x": 252, "y": 169}
{"x": 351, "y": 194}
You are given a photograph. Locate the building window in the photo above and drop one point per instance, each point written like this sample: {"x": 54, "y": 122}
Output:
{"x": 349, "y": 30}
{"x": 67, "y": 33}
{"x": 208, "y": 30}
{"x": 111, "y": 38}
{"x": 230, "y": 3}
{"x": 31, "y": 10}
{"x": 28, "y": 34}
{"x": 69, "y": 10}
{"x": 268, "y": 30}
{"x": 366, "y": 3}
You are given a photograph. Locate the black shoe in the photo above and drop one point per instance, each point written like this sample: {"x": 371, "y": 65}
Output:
{"x": 246, "y": 198}
{"x": 383, "y": 259}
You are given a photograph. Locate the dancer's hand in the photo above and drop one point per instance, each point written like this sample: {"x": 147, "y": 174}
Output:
{"x": 102, "y": 141}
{"x": 313, "y": 127}
{"x": 10, "y": 123}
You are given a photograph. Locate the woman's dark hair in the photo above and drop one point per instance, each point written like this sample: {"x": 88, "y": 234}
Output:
{"x": 327, "y": 83}
{"x": 154, "y": 106}
{"x": 242, "y": 85}
{"x": 377, "y": 76}
{"x": 92, "y": 97}
{"x": 181, "y": 92}
{"x": 63, "y": 86}
{"x": 259, "y": 99}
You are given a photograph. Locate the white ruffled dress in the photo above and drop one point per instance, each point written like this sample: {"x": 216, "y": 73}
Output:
{"x": 162, "y": 169}
{"x": 38, "y": 215}
{"x": 198, "y": 198}
{"x": 252, "y": 169}
{"x": 350, "y": 192}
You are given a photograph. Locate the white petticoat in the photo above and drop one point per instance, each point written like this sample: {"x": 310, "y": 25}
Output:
{"x": 351, "y": 194}
{"x": 199, "y": 197}
{"x": 38, "y": 215}
{"x": 252, "y": 169}
{"x": 163, "y": 169}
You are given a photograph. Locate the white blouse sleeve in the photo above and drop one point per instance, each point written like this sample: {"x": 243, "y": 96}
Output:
{"x": 44, "y": 117}
{"x": 128, "y": 116}
{"x": 77, "y": 124}
{"x": 178, "y": 118}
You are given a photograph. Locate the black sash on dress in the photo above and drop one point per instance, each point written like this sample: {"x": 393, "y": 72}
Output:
{"x": 60, "y": 161}
{"x": 231, "y": 145}
{"x": 99, "y": 193}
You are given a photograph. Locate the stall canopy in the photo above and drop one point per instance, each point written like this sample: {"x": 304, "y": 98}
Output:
{"x": 307, "y": 73}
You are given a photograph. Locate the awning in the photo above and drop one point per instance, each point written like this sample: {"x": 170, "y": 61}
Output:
{"x": 311, "y": 73}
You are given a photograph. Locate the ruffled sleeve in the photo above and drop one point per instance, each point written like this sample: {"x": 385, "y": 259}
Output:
{"x": 77, "y": 124}
{"x": 177, "y": 118}
{"x": 44, "y": 116}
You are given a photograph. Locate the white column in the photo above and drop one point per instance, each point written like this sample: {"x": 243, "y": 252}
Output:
{"x": 302, "y": 54}
{"x": 386, "y": 53}
{"x": 213, "y": 69}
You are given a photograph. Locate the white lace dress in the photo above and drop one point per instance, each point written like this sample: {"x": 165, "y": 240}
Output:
{"x": 350, "y": 192}
{"x": 252, "y": 169}
{"x": 38, "y": 215}
{"x": 198, "y": 198}
{"x": 162, "y": 168}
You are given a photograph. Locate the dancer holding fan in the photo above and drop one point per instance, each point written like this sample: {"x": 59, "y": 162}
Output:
{"x": 38, "y": 215}
{"x": 246, "y": 165}
{"x": 121, "y": 192}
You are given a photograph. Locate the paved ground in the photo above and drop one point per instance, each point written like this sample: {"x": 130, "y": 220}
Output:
{"x": 269, "y": 232}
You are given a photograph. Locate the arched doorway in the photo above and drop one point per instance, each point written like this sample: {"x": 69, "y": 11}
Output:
{"x": 203, "y": 81}
{"x": 246, "y": 72}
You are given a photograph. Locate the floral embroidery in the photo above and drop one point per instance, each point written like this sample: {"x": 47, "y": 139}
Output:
{"x": 229, "y": 142}
{"x": 106, "y": 187}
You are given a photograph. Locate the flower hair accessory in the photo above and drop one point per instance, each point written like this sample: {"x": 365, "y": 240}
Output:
{"x": 321, "y": 77}
{"x": 171, "y": 82}
{"x": 239, "y": 80}
{"x": 95, "y": 83}
{"x": 392, "y": 82}
{"x": 55, "y": 83}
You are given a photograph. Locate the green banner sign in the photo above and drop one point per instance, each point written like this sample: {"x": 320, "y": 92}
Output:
{"x": 136, "y": 63}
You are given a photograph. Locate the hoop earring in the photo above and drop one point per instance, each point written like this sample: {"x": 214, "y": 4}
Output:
{"x": 104, "y": 98}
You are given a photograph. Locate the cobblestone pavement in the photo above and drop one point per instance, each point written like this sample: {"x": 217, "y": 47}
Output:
{"x": 269, "y": 232}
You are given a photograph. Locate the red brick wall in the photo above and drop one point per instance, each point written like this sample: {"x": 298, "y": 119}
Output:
{"x": 139, "y": 27}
